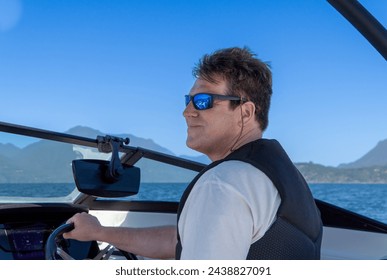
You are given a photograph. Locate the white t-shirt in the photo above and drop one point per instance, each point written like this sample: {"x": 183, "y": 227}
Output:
{"x": 231, "y": 206}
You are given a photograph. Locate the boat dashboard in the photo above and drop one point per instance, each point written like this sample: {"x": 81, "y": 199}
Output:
{"x": 25, "y": 228}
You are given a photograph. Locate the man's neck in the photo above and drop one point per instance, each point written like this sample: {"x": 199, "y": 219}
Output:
{"x": 247, "y": 137}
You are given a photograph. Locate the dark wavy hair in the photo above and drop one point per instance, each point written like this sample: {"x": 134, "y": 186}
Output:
{"x": 245, "y": 74}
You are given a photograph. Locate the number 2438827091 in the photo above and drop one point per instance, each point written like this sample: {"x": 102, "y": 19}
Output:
{"x": 239, "y": 270}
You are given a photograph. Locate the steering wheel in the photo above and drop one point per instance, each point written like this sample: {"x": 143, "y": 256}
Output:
{"x": 53, "y": 249}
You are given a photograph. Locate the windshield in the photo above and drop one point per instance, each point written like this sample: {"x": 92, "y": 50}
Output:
{"x": 102, "y": 67}
{"x": 40, "y": 171}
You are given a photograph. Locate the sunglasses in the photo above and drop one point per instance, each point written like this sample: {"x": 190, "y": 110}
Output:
{"x": 204, "y": 101}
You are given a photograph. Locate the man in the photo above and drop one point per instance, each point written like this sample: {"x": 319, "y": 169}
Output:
{"x": 250, "y": 202}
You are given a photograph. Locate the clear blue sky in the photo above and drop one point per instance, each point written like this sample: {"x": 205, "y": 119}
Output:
{"x": 124, "y": 66}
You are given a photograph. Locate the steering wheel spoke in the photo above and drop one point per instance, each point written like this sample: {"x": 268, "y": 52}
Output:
{"x": 105, "y": 253}
{"x": 61, "y": 253}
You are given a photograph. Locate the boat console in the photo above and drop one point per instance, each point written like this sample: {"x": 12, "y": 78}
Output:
{"x": 25, "y": 228}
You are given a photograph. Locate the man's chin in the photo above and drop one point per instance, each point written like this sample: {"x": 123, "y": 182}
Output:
{"x": 191, "y": 145}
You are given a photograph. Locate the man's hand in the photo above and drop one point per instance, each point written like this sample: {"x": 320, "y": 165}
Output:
{"x": 86, "y": 227}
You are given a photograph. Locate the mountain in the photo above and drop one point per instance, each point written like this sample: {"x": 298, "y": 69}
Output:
{"x": 376, "y": 157}
{"x": 43, "y": 161}
{"x": 9, "y": 150}
{"x": 317, "y": 173}
{"x": 370, "y": 168}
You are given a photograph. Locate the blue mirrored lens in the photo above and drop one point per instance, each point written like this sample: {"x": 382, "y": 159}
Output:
{"x": 202, "y": 101}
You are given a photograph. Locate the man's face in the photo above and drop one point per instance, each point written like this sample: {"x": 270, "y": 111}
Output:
{"x": 215, "y": 130}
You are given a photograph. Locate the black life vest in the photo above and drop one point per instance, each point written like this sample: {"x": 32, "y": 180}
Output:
{"x": 297, "y": 231}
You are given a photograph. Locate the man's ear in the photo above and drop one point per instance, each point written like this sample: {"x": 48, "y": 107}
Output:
{"x": 248, "y": 111}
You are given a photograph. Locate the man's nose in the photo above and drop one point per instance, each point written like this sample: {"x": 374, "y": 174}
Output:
{"x": 190, "y": 111}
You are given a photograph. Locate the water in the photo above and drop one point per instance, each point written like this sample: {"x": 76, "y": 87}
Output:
{"x": 45, "y": 190}
{"x": 366, "y": 199}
